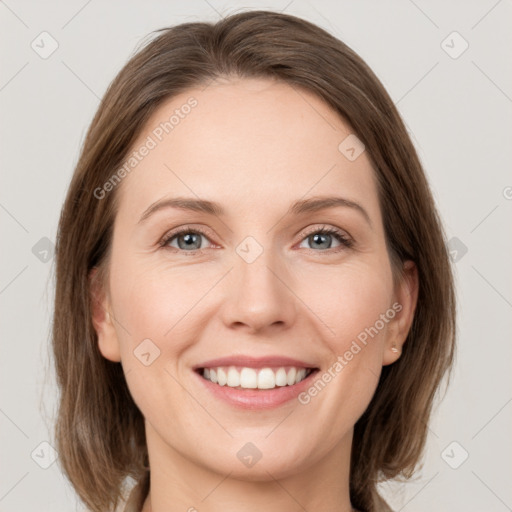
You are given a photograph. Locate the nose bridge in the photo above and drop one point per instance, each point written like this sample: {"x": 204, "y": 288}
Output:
{"x": 259, "y": 296}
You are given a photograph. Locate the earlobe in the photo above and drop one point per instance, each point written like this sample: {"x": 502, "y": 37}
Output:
{"x": 406, "y": 294}
{"x": 392, "y": 352}
{"x": 102, "y": 319}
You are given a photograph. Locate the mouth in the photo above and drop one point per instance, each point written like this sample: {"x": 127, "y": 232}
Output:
{"x": 249, "y": 378}
{"x": 248, "y": 382}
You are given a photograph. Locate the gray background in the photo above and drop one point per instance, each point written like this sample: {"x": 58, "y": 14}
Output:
{"x": 458, "y": 111}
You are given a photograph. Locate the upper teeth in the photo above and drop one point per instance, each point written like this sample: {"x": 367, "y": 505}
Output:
{"x": 251, "y": 378}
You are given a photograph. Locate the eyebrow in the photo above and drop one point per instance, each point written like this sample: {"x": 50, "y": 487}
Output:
{"x": 309, "y": 205}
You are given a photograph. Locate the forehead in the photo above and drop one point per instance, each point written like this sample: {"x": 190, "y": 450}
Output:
{"x": 260, "y": 141}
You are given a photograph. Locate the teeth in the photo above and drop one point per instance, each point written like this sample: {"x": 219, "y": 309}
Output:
{"x": 233, "y": 378}
{"x": 251, "y": 378}
{"x": 248, "y": 378}
{"x": 222, "y": 378}
{"x": 290, "y": 379}
{"x": 266, "y": 379}
{"x": 281, "y": 379}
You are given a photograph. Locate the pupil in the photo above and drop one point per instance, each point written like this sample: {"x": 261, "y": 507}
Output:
{"x": 321, "y": 238}
{"x": 189, "y": 240}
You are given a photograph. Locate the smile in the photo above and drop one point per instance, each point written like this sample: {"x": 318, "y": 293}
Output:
{"x": 256, "y": 382}
{"x": 252, "y": 378}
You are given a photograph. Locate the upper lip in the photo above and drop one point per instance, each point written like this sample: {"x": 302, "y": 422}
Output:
{"x": 254, "y": 362}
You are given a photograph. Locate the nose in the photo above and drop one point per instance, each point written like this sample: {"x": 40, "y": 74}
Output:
{"x": 258, "y": 296}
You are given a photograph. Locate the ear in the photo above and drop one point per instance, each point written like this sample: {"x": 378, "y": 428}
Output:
{"x": 406, "y": 296}
{"x": 102, "y": 318}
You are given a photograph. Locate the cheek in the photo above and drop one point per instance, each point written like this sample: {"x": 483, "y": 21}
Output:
{"x": 160, "y": 303}
{"x": 153, "y": 311}
{"x": 351, "y": 303}
{"x": 154, "y": 304}
{"x": 355, "y": 309}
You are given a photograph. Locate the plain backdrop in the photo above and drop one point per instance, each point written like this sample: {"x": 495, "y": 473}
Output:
{"x": 447, "y": 65}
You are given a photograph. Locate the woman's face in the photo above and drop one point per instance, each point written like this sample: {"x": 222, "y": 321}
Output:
{"x": 253, "y": 282}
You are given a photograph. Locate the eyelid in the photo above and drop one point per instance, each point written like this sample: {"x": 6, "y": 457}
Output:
{"x": 169, "y": 235}
{"x": 325, "y": 227}
{"x": 346, "y": 239}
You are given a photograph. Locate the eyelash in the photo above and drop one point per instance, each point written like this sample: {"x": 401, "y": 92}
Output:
{"x": 346, "y": 242}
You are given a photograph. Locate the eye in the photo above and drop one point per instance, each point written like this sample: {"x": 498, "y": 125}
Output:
{"x": 187, "y": 239}
{"x": 322, "y": 238}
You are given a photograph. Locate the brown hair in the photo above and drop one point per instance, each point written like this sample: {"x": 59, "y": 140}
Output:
{"x": 99, "y": 429}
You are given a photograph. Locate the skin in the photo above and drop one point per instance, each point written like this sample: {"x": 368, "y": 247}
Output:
{"x": 255, "y": 146}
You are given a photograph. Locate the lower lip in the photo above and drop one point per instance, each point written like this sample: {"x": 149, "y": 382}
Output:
{"x": 257, "y": 398}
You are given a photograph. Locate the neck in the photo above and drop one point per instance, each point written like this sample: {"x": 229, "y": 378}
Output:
{"x": 180, "y": 484}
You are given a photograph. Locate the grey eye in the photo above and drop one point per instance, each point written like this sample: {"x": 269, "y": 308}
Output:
{"x": 322, "y": 239}
{"x": 189, "y": 240}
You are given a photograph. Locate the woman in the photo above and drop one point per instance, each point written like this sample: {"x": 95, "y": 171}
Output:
{"x": 254, "y": 302}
